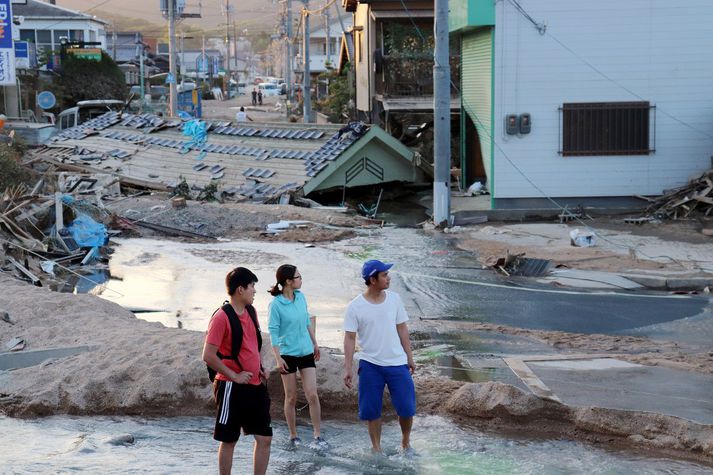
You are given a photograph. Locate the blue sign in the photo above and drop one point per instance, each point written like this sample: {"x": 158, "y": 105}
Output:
{"x": 170, "y": 79}
{"x": 46, "y": 100}
{"x": 5, "y": 24}
{"x": 201, "y": 64}
{"x": 22, "y": 50}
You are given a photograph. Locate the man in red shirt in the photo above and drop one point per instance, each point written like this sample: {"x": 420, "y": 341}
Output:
{"x": 240, "y": 392}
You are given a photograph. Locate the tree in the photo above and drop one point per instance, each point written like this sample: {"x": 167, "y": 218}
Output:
{"x": 337, "y": 105}
{"x": 85, "y": 79}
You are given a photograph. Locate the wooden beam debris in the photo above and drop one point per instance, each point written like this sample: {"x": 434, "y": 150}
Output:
{"x": 681, "y": 202}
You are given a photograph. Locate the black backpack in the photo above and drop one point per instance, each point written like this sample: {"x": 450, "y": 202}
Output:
{"x": 236, "y": 331}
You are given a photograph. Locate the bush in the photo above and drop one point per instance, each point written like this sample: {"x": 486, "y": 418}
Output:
{"x": 11, "y": 172}
{"x": 85, "y": 79}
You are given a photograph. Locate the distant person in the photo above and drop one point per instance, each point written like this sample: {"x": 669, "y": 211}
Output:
{"x": 259, "y": 96}
{"x": 241, "y": 116}
{"x": 378, "y": 318}
{"x": 254, "y": 96}
{"x": 292, "y": 331}
{"x": 239, "y": 387}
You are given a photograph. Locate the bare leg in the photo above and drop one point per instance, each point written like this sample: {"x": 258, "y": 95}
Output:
{"x": 289, "y": 382}
{"x": 261, "y": 454}
{"x": 309, "y": 384}
{"x": 406, "y": 423}
{"x": 375, "y": 434}
{"x": 225, "y": 457}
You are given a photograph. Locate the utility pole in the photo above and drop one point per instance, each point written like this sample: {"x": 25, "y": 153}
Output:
{"x": 235, "y": 55}
{"x": 328, "y": 22}
{"x": 141, "y": 74}
{"x": 113, "y": 41}
{"x": 441, "y": 117}
{"x": 183, "y": 56}
{"x": 227, "y": 45}
{"x": 203, "y": 62}
{"x": 288, "y": 70}
{"x": 306, "y": 86}
{"x": 173, "y": 96}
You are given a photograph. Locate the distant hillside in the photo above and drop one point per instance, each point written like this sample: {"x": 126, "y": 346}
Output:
{"x": 252, "y": 15}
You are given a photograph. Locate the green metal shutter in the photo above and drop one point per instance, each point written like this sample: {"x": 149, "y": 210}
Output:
{"x": 477, "y": 90}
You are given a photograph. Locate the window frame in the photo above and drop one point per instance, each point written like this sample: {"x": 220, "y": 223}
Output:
{"x": 614, "y": 128}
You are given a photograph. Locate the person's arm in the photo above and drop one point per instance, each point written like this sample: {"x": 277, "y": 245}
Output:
{"x": 210, "y": 356}
{"x": 274, "y": 328}
{"x": 349, "y": 346}
{"x": 402, "y": 330}
{"x": 312, "y": 329}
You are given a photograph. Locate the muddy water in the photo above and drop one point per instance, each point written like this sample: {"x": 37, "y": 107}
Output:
{"x": 184, "y": 445}
{"x": 183, "y": 282}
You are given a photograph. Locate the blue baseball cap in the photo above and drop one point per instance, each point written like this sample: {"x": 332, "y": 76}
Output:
{"x": 373, "y": 267}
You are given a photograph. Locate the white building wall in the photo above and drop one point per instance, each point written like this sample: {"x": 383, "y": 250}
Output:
{"x": 93, "y": 31}
{"x": 653, "y": 50}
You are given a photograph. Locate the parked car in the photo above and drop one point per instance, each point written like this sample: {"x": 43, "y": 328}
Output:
{"x": 269, "y": 89}
{"x": 159, "y": 92}
{"x": 86, "y": 110}
{"x": 187, "y": 85}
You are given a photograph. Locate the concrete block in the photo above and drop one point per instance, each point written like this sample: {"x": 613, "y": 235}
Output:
{"x": 178, "y": 202}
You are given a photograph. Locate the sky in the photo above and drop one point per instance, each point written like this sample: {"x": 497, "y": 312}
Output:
{"x": 251, "y": 14}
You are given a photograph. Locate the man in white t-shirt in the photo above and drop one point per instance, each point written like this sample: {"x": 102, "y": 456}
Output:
{"x": 241, "y": 115}
{"x": 378, "y": 318}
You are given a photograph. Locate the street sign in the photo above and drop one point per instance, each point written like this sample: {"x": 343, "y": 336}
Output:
{"x": 46, "y": 100}
{"x": 201, "y": 64}
{"x": 22, "y": 55}
{"x": 170, "y": 79}
{"x": 94, "y": 54}
{"x": 7, "y": 51}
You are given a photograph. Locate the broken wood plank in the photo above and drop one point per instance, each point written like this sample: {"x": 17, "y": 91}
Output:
{"x": 173, "y": 231}
{"x": 33, "y": 278}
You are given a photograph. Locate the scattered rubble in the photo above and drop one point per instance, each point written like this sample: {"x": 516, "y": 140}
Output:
{"x": 681, "y": 202}
{"x": 44, "y": 236}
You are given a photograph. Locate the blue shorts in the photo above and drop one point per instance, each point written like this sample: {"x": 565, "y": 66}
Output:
{"x": 373, "y": 378}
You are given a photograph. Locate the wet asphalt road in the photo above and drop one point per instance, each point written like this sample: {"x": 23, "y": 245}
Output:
{"x": 442, "y": 283}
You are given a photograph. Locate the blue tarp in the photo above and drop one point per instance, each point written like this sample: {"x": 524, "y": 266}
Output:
{"x": 88, "y": 233}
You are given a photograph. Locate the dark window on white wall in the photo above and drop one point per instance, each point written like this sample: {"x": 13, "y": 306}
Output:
{"x": 607, "y": 128}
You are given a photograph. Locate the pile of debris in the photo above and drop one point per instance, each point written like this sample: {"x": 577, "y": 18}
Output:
{"x": 53, "y": 240}
{"x": 681, "y": 202}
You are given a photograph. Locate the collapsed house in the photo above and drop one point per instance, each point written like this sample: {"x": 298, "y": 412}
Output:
{"x": 248, "y": 161}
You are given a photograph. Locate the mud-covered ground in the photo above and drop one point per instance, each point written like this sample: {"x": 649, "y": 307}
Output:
{"x": 232, "y": 220}
{"x": 142, "y": 368}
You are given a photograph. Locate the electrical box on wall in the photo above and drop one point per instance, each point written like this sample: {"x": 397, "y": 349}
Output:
{"x": 525, "y": 123}
{"x": 511, "y": 124}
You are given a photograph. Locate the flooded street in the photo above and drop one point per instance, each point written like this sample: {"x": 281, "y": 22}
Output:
{"x": 184, "y": 445}
{"x": 182, "y": 283}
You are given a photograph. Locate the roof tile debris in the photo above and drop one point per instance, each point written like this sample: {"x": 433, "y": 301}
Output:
{"x": 151, "y": 149}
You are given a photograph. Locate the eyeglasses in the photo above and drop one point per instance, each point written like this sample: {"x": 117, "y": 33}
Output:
{"x": 296, "y": 277}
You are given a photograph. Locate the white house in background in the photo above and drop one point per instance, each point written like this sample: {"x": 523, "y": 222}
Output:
{"x": 45, "y": 24}
{"x": 319, "y": 55}
{"x": 580, "y": 99}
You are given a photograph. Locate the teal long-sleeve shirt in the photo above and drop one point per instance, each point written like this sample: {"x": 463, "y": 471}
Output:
{"x": 289, "y": 325}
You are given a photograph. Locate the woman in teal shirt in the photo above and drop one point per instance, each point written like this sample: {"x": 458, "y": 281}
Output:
{"x": 295, "y": 346}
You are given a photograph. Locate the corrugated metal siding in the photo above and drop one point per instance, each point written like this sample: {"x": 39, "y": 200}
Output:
{"x": 476, "y": 88}
{"x": 658, "y": 49}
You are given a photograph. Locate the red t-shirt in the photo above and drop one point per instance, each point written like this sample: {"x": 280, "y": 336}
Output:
{"x": 219, "y": 334}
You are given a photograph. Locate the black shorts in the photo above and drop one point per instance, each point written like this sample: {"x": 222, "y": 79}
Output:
{"x": 299, "y": 362}
{"x": 241, "y": 406}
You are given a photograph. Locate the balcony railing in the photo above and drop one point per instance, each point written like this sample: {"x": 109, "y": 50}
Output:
{"x": 412, "y": 76}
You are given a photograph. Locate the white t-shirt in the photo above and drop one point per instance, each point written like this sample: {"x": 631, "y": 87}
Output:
{"x": 241, "y": 116}
{"x": 375, "y": 326}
